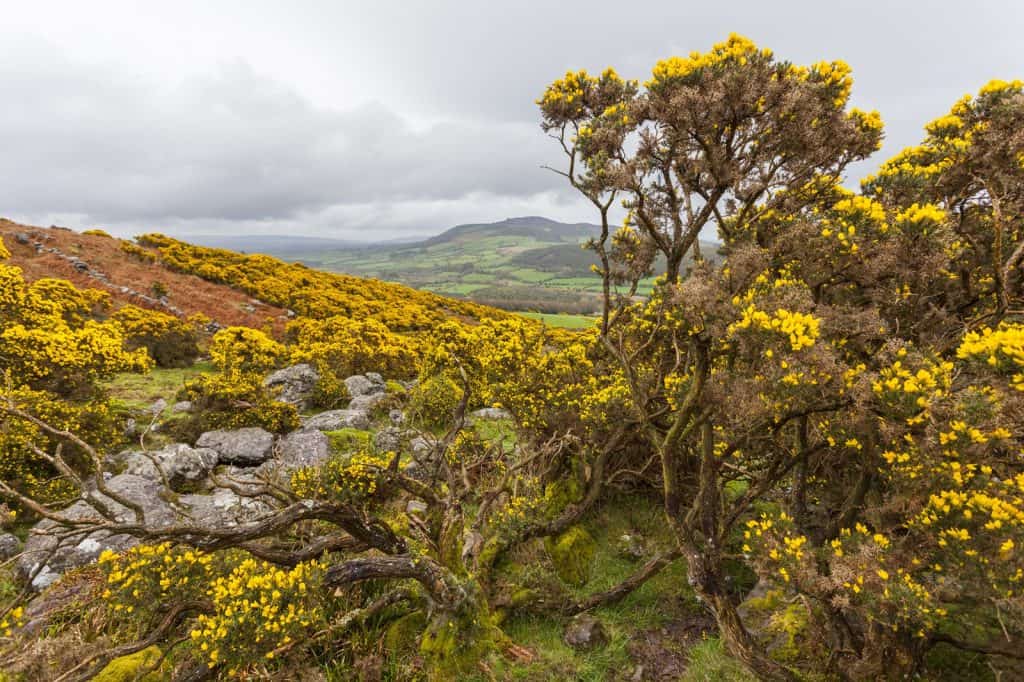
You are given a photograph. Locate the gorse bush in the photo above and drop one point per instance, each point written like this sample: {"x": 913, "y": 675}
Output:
{"x": 171, "y": 342}
{"x": 53, "y": 354}
{"x": 235, "y": 397}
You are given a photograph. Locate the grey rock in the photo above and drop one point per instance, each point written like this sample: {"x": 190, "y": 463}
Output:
{"x": 158, "y": 407}
{"x": 223, "y": 508}
{"x": 375, "y": 379}
{"x": 332, "y": 420}
{"x": 388, "y": 439}
{"x": 358, "y": 385}
{"x": 182, "y": 406}
{"x": 46, "y": 556}
{"x": 631, "y": 546}
{"x": 184, "y": 467}
{"x": 365, "y": 403}
{"x": 21, "y": 238}
{"x": 421, "y": 445}
{"x": 296, "y": 384}
{"x": 302, "y": 448}
{"x": 10, "y": 546}
{"x": 416, "y": 507}
{"x": 396, "y": 416}
{"x": 491, "y": 413}
{"x": 247, "y": 446}
{"x": 585, "y": 632}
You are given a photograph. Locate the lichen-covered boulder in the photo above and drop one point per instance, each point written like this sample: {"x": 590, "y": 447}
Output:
{"x": 9, "y": 546}
{"x": 222, "y": 508}
{"x": 302, "y": 448}
{"x": 359, "y": 385}
{"x": 334, "y": 420}
{"x": 585, "y": 632}
{"x": 365, "y": 403}
{"x": 295, "y": 385}
{"x": 48, "y": 552}
{"x": 248, "y": 446}
{"x": 572, "y": 553}
{"x": 491, "y": 413}
{"x": 184, "y": 467}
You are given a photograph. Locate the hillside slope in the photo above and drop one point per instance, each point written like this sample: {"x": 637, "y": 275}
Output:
{"x": 228, "y": 287}
{"x": 100, "y": 262}
{"x": 529, "y": 263}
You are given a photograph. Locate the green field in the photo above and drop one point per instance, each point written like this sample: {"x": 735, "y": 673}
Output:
{"x": 518, "y": 264}
{"x": 562, "y": 320}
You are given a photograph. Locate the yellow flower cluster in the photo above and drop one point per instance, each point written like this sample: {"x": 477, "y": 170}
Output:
{"x": 14, "y": 619}
{"x": 258, "y": 606}
{"x": 908, "y": 391}
{"x": 355, "y": 478}
{"x": 1001, "y": 349}
{"x": 800, "y": 328}
{"x": 734, "y": 51}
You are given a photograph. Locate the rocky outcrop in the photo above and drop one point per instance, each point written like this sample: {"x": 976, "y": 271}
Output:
{"x": 184, "y": 467}
{"x": 51, "y": 550}
{"x": 248, "y": 446}
{"x": 365, "y": 403}
{"x": 302, "y": 448}
{"x": 360, "y": 385}
{"x": 332, "y": 420}
{"x": 295, "y": 385}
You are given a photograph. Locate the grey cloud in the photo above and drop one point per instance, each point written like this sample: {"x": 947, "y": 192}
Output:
{"x": 237, "y": 146}
{"x": 388, "y": 117}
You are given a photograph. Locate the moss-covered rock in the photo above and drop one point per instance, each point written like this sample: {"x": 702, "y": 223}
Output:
{"x": 133, "y": 667}
{"x": 572, "y": 553}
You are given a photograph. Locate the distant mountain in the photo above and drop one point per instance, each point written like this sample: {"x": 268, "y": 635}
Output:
{"x": 525, "y": 263}
{"x": 535, "y": 227}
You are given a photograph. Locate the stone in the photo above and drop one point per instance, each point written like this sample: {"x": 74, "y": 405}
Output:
{"x": 222, "y": 508}
{"x": 302, "y": 448}
{"x": 416, "y": 507}
{"x": 296, "y": 384}
{"x": 365, "y": 403}
{"x": 332, "y": 420}
{"x": 421, "y": 445}
{"x": 183, "y": 466}
{"x": 182, "y": 406}
{"x": 585, "y": 632}
{"x": 247, "y": 446}
{"x": 388, "y": 439}
{"x": 21, "y": 238}
{"x": 358, "y": 385}
{"x": 396, "y": 416}
{"x": 375, "y": 378}
{"x": 10, "y": 546}
{"x": 631, "y": 546}
{"x": 46, "y": 557}
{"x": 491, "y": 413}
{"x": 157, "y": 407}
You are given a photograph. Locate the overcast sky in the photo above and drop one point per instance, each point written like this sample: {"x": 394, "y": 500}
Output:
{"x": 376, "y": 119}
